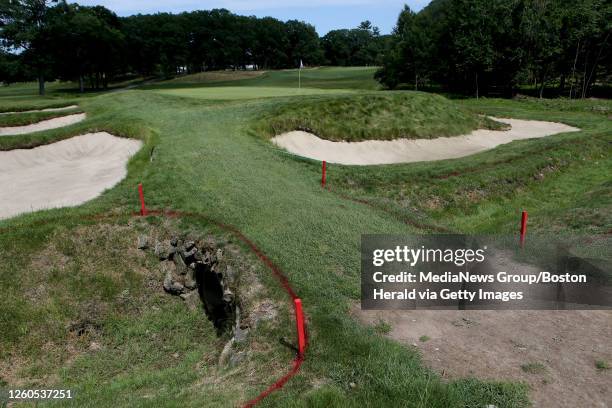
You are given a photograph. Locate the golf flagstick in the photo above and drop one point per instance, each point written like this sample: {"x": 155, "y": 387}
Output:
{"x": 300, "y": 74}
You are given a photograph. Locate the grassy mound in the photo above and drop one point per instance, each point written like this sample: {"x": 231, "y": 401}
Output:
{"x": 232, "y": 93}
{"x": 384, "y": 116}
{"x": 87, "y": 310}
{"x": 215, "y": 76}
{"x": 23, "y": 119}
{"x": 562, "y": 180}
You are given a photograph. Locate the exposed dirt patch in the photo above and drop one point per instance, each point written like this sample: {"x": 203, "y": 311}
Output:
{"x": 497, "y": 345}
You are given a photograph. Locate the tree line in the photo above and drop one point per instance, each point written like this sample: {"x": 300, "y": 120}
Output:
{"x": 480, "y": 47}
{"x": 51, "y": 39}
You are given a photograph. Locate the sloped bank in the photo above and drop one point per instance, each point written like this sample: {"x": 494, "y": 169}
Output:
{"x": 60, "y": 109}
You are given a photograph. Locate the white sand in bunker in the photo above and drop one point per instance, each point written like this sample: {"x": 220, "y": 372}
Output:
{"x": 415, "y": 150}
{"x": 63, "y": 108}
{"x": 62, "y": 174}
{"x": 43, "y": 125}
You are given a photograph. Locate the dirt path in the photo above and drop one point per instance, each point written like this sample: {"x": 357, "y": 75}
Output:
{"x": 496, "y": 344}
{"x": 62, "y": 174}
{"x": 43, "y": 125}
{"x": 414, "y": 150}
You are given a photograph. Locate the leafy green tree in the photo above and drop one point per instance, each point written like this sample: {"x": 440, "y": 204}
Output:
{"x": 11, "y": 69}
{"x": 493, "y": 46}
{"x": 23, "y": 25}
{"x": 359, "y": 46}
{"x": 87, "y": 43}
{"x": 585, "y": 45}
{"x": 541, "y": 26}
{"x": 407, "y": 59}
{"x": 304, "y": 43}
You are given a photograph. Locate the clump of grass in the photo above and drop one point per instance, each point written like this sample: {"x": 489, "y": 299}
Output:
{"x": 602, "y": 365}
{"x": 383, "y": 116}
{"x": 424, "y": 339}
{"x": 534, "y": 368}
{"x": 382, "y": 327}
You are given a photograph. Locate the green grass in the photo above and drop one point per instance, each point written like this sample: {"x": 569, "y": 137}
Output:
{"x": 16, "y": 104}
{"x": 383, "y": 327}
{"x": 534, "y": 368}
{"x": 208, "y": 161}
{"x": 88, "y": 309}
{"x": 602, "y": 365}
{"x": 236, "y": 93}
{"x": 561, "y": 180}
{"x": 388, "y": 115}
{"x": 22, "y": 119}
{"x": 213, "y": 77}
{"x": 356, "y": 78}
{"x": 27, "y": 92}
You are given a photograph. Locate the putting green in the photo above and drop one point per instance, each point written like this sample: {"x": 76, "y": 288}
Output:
{"x": 237, "y": 92}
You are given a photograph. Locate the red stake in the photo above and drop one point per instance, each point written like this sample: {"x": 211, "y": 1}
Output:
{"x": 143, "y": 208}
{"x": 324, "y": 174}
{"x": 299, "y": 318}
{"x": 524, "y": 227}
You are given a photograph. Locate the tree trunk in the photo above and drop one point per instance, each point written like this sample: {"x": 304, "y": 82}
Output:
{"x": 590, "y": 79}
{"x": 416, "y": 82}
{"x": 574, "y": 70}
{"x": 41, "y": 85}
{"x": 584, "y": 74}
{"x": 543, "y": 82}
{"x": 477, "y": 90}
{"x": 81, "y": 84}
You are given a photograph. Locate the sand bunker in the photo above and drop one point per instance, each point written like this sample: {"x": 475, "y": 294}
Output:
{"x": 62, "y": 174}
{"x": 64, "y": 108}
{"x": 415, "y": 150}
{"x": 43, "y": 125}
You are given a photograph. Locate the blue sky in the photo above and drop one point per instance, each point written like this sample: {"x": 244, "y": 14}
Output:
{"x": 325, "y": 15}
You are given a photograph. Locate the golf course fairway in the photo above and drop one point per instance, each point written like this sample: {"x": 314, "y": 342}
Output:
{"x": 207, "y": 155}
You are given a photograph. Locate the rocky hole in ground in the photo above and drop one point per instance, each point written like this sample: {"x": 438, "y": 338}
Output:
{"x": 197, "y": 269}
